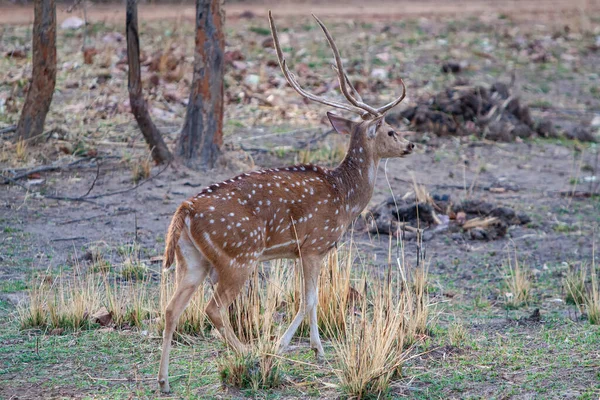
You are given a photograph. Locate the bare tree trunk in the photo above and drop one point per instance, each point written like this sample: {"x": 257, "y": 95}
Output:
{"x": 202, "y": 134}
{"x": 160, "y": 151}
{"x": 39, "y": 96}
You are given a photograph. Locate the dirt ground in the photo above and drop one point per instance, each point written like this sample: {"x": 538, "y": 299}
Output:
{"x": 41, "y": 233}
{"x": 549, "y": 10}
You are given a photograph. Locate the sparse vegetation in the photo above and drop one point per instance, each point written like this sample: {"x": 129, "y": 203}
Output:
{"x": 469, "y": 326}
{"x": 457, "y": 333}
{"x": 582, "y": 289}
{"x": 517, "y": 282}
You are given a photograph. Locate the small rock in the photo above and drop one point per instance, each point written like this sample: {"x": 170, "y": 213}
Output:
{"x": 427, "y": 236}
{"x": 546, "y": 129}
{"x": 522, "y": 131}
{"x": 239, "y": 65}
{"x": 72, "y": 23}
{"x": 113, "y": 37}
{"x": 451, "y": 67}
{"x": 16, "y": 53}
{"x": 102, "y": 316}
{"x": 580, "y": 133}
{"x": 252, "y": 80}
{"x": 379, "y": 73}
{"x": 457, "y": 236}
{"x": 247, "y": 14}
{"x": 478, "y": 234}
{"x": 524, "y": 219}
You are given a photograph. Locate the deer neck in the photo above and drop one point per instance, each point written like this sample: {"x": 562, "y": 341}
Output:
{"x": 356, "y": 177}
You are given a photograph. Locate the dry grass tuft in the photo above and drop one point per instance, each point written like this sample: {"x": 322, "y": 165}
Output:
{"x": 517, "y": 283}
{"x": 141, "y": 169}
{"x": 582, "y": 290}
{"x": 379, "y": 330}
{"x": 457, "y": 333}
{"x": 574, "y": 284}
{"x": 21, "y": 150}
{"x": 372, "y": 347}
{"x": 253, "y": 316}
{"x": 69, "y": 300}
{"x": 335, "y": 291}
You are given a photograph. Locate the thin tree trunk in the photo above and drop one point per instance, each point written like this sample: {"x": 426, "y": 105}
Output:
{"x": 160, "y": 151}
{"x": 39, "y": 96}
{"x": 202, "y": 135}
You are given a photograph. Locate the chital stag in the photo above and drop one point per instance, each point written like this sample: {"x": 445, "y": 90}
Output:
{"x": 298, "y": 212}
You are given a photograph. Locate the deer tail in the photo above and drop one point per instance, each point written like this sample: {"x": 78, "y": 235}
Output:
{"x": 173, "y": 235}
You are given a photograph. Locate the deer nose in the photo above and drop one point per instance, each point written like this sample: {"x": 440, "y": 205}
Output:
{"x": 410, "y": 146}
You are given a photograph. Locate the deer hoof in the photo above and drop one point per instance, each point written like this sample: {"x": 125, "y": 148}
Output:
{"x": 319, "y": 354}
{"x": 164, "y": 386}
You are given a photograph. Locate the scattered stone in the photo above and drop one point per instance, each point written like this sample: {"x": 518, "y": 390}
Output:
{"x": 451, "y": 67}
{"x": 72, "y": 23}
{"x": 252, "y": 80}
{"x": 247, "y": 14}
{"x": 379, "y": 73}
{"x": 102, "y": 317}
{"x": 580, "y": 133}
{"x": 113, "y": 37}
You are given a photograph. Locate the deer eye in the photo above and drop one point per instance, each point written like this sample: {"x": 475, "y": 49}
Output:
{"x": 391, "y": 133}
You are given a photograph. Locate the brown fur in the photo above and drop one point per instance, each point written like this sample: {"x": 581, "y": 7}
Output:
{"x": 173, "y": 235}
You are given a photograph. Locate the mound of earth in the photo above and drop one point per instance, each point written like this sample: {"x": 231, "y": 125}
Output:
{"x": 492, "y": 113}
{"x": 472, "y": 219}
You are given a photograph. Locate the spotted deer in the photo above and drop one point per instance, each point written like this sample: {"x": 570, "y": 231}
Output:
{"x": 297, "y": 212}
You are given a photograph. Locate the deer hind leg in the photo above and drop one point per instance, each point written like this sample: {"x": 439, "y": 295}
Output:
{"x": 229, "y": 285}
{"x": 192, "y": 268}
{"x": 310, "y": 268}
{"x": 315, "y": 339}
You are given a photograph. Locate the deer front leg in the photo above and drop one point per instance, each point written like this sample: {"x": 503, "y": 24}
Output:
{"x": 310, "y": 268}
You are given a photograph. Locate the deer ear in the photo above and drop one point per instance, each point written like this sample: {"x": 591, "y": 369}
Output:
{"x": 341, "y": 125}
{"x": 373, "y": 126}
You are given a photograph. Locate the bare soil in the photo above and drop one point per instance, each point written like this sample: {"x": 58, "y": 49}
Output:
{"x": 41, "y": 233}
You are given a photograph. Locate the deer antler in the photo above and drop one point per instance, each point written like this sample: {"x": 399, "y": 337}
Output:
{"x": 350, "y": 93}
{"x": 342, "y": 76}
{"x": 292, "y": 80}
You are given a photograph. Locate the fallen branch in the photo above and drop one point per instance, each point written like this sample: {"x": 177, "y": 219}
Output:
{"x": 132, "y": 188}
{"x": 50, "y": 168}
{"x": 72, "y": 221}
{"x": 8, "y": 129}
{"x": 577, "y": 193}
{"x": 86, "y": 198}
{"x": 68, "y": 239}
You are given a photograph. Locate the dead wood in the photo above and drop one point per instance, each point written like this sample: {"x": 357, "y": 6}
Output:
{"x": 160, "y": 152}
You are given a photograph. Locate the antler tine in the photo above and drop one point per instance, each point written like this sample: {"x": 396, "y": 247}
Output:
{"x": 343, "y": 78}
{"x": 355, "y": 93}
{"x": 394, "y": 103}
{"x": 289, "y": 76}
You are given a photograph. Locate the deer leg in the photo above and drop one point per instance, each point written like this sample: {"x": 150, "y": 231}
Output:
{"x": 315, "y": 339}
{"x": 310, "y": 269}
{"x": 228, "y": 288}
{"x": 192, "y": 268}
